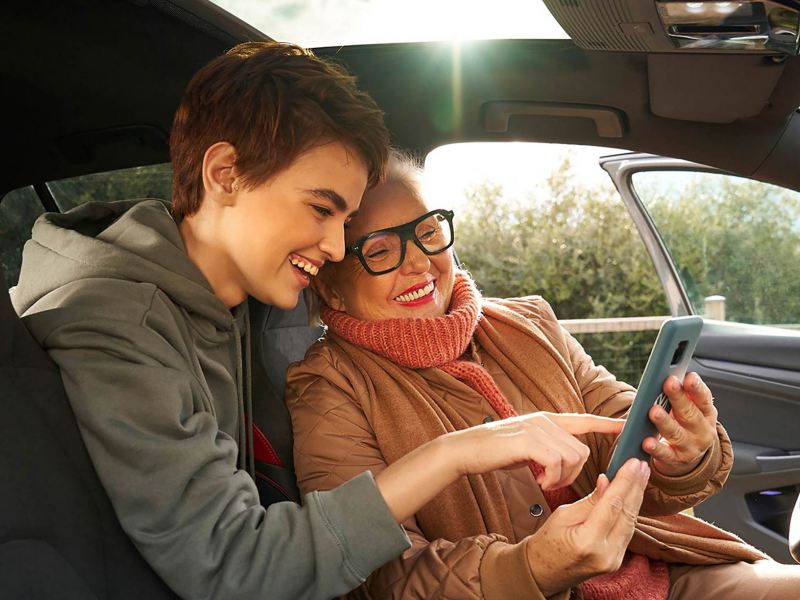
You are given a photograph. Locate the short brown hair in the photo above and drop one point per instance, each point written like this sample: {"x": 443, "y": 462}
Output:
{"x": 272, "y": 102}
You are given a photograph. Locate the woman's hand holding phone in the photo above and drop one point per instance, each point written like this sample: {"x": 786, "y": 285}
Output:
{"x": 644, "y": 426}
{"x": 687, "y": 432}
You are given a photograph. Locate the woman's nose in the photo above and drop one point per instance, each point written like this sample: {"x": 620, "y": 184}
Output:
{"x": 415, "y": 261}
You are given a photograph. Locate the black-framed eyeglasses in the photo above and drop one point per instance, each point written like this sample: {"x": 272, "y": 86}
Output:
{"x": 384, "y": 250}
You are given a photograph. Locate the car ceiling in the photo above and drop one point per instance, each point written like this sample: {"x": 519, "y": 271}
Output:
{"x": 92, "y": 85}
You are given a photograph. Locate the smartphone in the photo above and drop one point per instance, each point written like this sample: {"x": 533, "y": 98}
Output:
{"x": 670, "y": 355}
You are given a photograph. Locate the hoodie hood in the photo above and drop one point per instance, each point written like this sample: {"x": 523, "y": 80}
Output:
{"x": 134, "y": 240}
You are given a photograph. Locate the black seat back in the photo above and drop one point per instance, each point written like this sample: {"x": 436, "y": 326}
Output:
{"x": 278, "y": 338}
{"x": 59, "y": 536}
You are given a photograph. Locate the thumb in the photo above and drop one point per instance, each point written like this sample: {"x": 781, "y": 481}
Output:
{"x": 602, "y": 485}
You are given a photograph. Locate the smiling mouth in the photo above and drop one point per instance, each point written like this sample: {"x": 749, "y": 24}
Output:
{"x": 304, "y": 266}
{"x": 417, "y": 294}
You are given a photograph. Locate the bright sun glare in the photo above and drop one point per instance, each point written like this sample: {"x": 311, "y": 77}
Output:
{"x": 519, "y": 168}
{"x": 318, "y": 23}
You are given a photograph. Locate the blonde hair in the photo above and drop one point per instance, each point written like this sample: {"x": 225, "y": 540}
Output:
{"x": 404, "y": 168}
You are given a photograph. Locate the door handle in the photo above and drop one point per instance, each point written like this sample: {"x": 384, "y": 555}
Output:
{"x": 607, "y": 121}
{"x": 779, "y": 462}
{"x": 750, "y": 459}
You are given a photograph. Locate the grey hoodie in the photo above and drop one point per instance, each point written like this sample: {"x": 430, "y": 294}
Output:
{"x": 151, "y": 363}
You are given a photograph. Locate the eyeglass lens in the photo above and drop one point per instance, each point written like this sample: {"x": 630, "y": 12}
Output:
{"x": 383, "y": 251}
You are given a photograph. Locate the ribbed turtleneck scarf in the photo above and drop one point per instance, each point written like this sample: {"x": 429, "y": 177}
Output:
{"x": 441, "y": 342}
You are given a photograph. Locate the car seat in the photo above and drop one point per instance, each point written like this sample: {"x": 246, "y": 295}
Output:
{"x": 278, "y": 338}
{"x": 59, "y": 536}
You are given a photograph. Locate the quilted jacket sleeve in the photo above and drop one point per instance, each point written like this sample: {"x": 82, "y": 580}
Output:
{"x": 334, "y": 442}
{"x": 604, "y": 395}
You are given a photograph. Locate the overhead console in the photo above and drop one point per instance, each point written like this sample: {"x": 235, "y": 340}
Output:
{"x": 744, "y": 47}
{"x": 747, "y": 26}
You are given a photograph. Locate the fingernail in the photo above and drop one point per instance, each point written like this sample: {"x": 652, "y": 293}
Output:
{"x": 645, "y": 470}
{"x": 634, "y": 465}
{"x": 695, "y": 384}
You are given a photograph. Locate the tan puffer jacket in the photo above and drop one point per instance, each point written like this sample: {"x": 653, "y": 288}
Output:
{"x": 334, "y": 442}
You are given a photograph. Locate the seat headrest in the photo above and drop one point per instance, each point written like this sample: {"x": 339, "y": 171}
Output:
{"x": 17, "y": 345}
{"x": 8, "y": 320}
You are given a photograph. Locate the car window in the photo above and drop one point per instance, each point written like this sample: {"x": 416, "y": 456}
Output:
{"x": 18, "y": 211}
{"x": 545, "y": 219}
{"x": 20, "y": 208}
{"x": 734, "y": 241}
{"x": 153, "y": 181}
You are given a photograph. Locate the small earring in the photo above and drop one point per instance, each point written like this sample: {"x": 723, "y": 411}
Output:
{"x": 235, "y": 186}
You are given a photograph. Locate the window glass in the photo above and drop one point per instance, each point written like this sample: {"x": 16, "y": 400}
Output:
{"x": 154, "y": 181}
{"x": 18, "y": 211}
{"x": 546, "y": 219}
{"x": 735, "y": 242}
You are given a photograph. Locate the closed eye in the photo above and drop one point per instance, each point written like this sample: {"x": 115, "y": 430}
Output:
{"x": 426, "y": 235}
{"x": 377, "y": 254}
{"x": 323, "y": 210}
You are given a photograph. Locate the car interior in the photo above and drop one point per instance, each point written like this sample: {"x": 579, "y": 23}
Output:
{"x": 91, "y": 86}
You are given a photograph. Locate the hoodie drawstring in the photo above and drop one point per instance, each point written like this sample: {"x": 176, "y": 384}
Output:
{"x": 244, "y": 396}
{"x": 251, "y": 461}
{"x": 240, "y": 461}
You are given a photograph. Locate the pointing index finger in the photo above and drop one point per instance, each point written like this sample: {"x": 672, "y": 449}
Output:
{"x": 580, "y": 423}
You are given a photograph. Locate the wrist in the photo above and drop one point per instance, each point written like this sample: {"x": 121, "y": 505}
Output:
{"x": 696, "y": 480}
{"x": 446, "y": 457}
{"x": 413, "y": 480}
{"x": 540, "y": 569}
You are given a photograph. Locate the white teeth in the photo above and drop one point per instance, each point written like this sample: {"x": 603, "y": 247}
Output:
{"x": 307, "y": 267}
{"x": 415, "y": 295}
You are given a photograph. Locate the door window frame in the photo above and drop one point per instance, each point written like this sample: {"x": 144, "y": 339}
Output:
{"x": 621, "y": 169}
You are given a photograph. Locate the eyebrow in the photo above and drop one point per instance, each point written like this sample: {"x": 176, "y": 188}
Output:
{"x": 328, "y": 194}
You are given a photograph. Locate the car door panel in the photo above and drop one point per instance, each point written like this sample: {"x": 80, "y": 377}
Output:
{"x": 754, "y": 374}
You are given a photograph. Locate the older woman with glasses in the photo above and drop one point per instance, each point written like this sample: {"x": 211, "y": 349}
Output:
{"x": 412, "y": 352}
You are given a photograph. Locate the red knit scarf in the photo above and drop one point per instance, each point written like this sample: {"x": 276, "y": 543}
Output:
{"x": 441, "y": 342}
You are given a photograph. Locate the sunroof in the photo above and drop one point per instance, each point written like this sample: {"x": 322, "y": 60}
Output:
{"x": 318, "y": 23}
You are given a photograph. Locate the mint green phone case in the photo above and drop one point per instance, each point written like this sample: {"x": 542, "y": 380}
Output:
{"x": 670, "y": 355}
